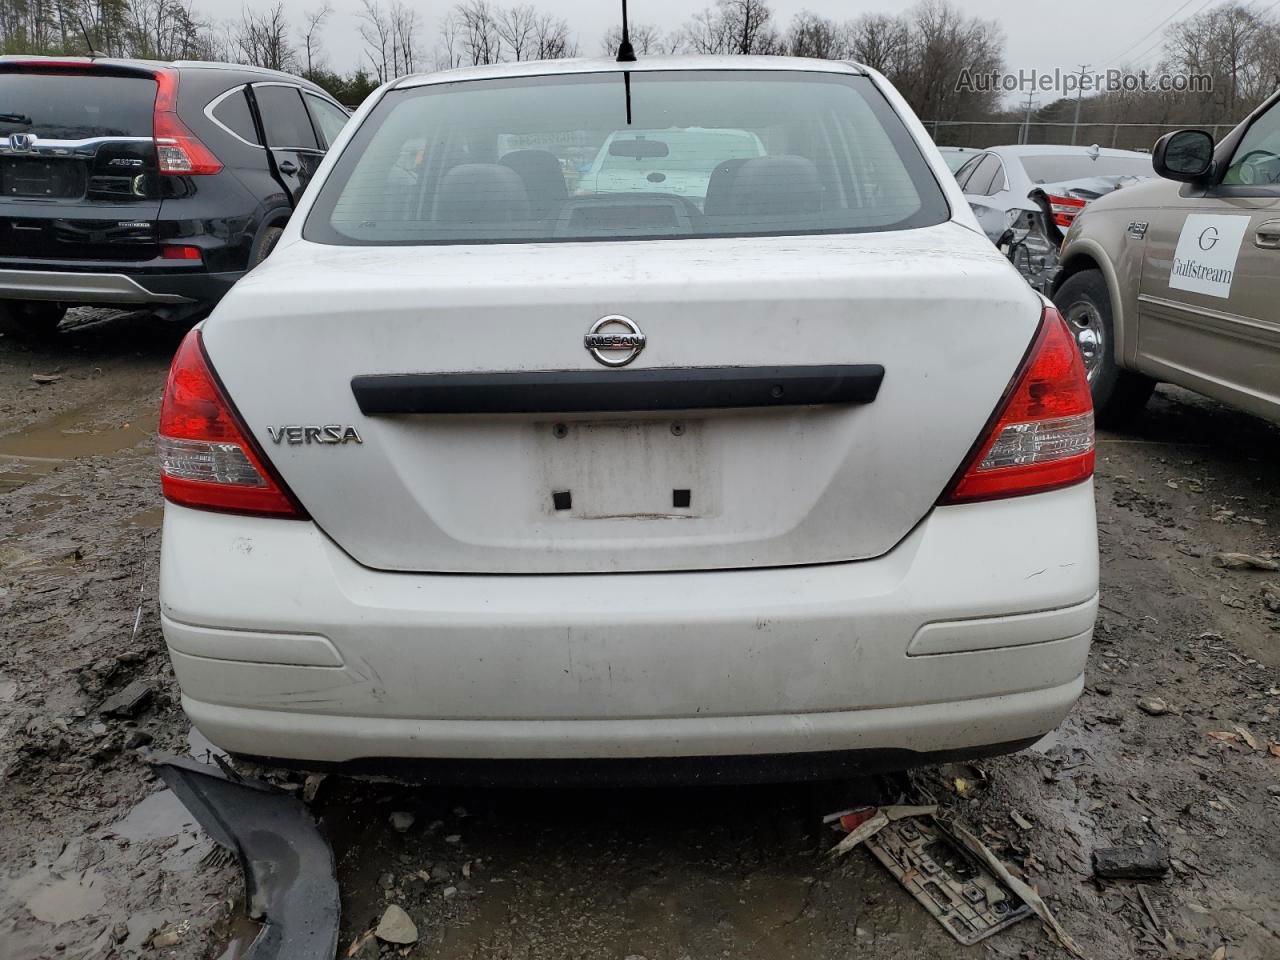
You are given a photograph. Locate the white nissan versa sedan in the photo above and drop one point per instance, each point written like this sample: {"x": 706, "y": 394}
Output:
{"x": 481, "y": 465}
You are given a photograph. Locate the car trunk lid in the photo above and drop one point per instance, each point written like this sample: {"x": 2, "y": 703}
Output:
{"x": 670, "y": 476}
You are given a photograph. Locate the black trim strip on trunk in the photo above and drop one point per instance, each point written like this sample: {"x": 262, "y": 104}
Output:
{"x": 593, "y": 391}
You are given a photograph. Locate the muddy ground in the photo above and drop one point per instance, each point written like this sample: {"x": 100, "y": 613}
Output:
{"x": 98, "y": 860}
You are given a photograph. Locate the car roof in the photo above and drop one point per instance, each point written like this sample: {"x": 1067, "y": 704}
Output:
{"x": 1061, "y": 150}
{"x": 543, "y": 68}
{"x": 241, "y": 68}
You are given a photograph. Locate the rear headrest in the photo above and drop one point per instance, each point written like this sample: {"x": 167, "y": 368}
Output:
{"x": 543, "y": 179}
{"x": 775, "y": 186}
{"x": 720, "y": 188}
{"x": 481, "y": 193}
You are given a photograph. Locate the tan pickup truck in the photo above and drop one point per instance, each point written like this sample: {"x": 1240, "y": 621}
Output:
{"x": 1178, "y": 279}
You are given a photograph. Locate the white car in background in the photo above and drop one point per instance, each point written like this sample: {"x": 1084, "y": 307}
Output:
{"x": 475, "y": 469}
{"x": 1026, "y": 196}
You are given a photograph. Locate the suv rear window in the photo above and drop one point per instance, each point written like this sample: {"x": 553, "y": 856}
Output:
{"x": 558, "y": 158}
{"x": 76, "y": 106}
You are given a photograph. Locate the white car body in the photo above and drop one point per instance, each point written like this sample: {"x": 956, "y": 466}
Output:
{"x": 814, "y": 599}
{"x": 999, "y": 200}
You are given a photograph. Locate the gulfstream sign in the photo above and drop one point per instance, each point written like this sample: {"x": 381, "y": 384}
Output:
{"x": 1205, "y": 259}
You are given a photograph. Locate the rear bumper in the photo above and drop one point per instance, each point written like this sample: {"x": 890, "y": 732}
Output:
{"x": 109, "y": 288}
{"x": 970, "y": 633}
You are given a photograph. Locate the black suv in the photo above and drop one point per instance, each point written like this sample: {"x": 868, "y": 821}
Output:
{"x": 132, "y": 182}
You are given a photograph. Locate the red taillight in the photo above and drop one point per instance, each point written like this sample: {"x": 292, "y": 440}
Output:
{"x": 207, "y": 458}
{"x": 1041, "y": 435}
{"x": 1065, "y": 209}
{"x": 178, "y": 150}
{"x": 175, "y": 251}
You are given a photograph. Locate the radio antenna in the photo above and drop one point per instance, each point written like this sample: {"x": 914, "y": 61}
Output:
{"x": 626, "y": 52}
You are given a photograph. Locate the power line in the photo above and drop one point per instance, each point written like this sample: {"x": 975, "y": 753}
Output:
{"x": 1139, "y": 58}
{"x": 1144, "y": 37}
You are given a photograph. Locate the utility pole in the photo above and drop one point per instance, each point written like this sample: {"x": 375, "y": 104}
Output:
{"x": 1026, "y": 124}
{"x": 1075, "y": 124}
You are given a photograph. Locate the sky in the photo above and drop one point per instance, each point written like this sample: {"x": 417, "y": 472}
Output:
{"x": 1040, "y": 35}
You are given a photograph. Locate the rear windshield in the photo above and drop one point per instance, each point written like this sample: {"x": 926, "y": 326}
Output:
{"x": 607, "y": 157}
{"x": 1069, "y": 167}
{"x": 76, "y": 106}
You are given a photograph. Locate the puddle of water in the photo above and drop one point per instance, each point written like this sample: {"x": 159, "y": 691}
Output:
{"x": 38, "y": 450}
{"x": 63, "y": 900}
{"x": 58, "y": 893}
{"x": 240, "y": 937}
{"x": 42, "y": 506}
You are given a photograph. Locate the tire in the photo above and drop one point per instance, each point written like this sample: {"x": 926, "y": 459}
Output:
{"x": 266, "y": 243}
{"x": 30, "y": 318}
{"x": 1118, "y": 395}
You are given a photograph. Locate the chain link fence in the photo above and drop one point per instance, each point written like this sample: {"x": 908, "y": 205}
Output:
{"x": 993, "y": 133}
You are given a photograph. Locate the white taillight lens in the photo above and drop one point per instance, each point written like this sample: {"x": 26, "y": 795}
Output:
{"x": 1040, "y": 441}
{"x": 207, "y": 462}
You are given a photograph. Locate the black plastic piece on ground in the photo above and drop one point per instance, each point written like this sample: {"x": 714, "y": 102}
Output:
{"x": 288, "y": 866}
{"x": 590, "y": 391}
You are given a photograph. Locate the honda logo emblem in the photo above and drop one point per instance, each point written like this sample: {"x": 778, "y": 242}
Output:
{"x": 21, "y": 142}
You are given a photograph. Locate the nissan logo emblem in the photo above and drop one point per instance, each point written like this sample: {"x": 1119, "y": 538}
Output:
{"x": 614, "y": 340}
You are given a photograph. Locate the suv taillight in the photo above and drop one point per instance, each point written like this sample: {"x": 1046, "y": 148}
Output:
{"x": 208, "y": 459}
{"x": 1065, "y": 208}
{"x": 178, "y": 150}
{"x": 1041, "y": 434}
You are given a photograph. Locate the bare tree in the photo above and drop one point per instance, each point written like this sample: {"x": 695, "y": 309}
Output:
{"x": 881, "y": 42}
{"x": 516, "y": 26}
{"x": 262, "y": 38}
{"x": 390, "y": 36}
{"x": 449, "y": 46}
{"x": 811, "y": 35}
{"x": 551, "y": 37}
{"x": 645, "y": 38}
{"x": 405, "y": 23}
{"x": 478, "y": 38}
{"x": 313, "y": 24}
{"x": 1234, "y": 45}
{"x": 732, "y": 26}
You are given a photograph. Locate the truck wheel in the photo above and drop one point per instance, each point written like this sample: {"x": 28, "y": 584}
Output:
{"x": 266, "y": 243}
{"x": 30, "y": 318}
{"x": 1085, "y": 303}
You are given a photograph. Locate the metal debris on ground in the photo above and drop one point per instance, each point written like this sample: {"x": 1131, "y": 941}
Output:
{"x": 1147, "y": 861}
{"x": 1024, "y": 891}
{"x": 1244, "y": 561}
{"x": 948, "y": 870}
{"x": 948, "y": 881}
{"x": 866, "y": 822}
{"x": 129, "y": 701}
